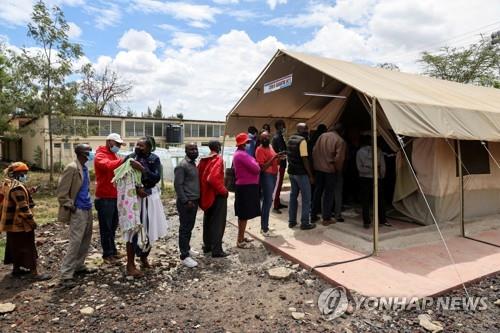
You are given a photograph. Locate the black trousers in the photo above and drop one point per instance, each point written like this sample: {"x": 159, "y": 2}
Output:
{"x": 366, "y": 197}
{"x": 187, "y": 218}
{"x": 214, "y": 225}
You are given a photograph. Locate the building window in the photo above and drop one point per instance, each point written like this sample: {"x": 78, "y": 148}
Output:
{"x": 139, "y": 128}
{"x": 67, "y": 145}
{"x": 216, "y": 131}
{"x": 116, "y": 127}
{"x": 93, "y": 128}
{"x": 80, "y": 127}
{"x": 474, "y": 158}
{"x": 194, "y": 130}
{"x": 129, "y": 128}
{"x": 131, "y": 146}
{"x": 158, "y": 129}
{"x": 222, "y": 128}
{"x": 149, "y": 129}
{"x": 210, "y": 131}
{"x": 57, "y": 145}
{"x": 202, "y": 131}
{"x": 104, "y": 127}
{"x": 187, "y": 130}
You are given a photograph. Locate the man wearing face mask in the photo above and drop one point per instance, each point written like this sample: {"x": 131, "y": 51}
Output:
{"x": 106, "y": 161}
{"x": 213, "y": 200}
{"x": 187, "y": 189}
{"x": 75, "y": 209}
{"x": 301, "y": 177}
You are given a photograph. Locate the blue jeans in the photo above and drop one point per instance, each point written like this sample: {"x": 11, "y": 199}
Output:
{"x": 107, "y": 214}
{"x": 299, "y": 183}
{"x": 267, "y": 183}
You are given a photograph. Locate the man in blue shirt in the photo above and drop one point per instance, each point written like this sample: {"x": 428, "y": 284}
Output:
{"x": 75, "y": 209}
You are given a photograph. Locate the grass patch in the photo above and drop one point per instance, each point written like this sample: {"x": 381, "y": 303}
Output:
{"x": 2, "y": 247}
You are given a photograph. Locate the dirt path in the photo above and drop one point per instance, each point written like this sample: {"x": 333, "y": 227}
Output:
{"x": 234, "y": 294}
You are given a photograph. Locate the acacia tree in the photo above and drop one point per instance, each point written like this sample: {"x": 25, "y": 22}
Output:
{"x": 477, "y": 64}
{"x": 51, "y": 64}
{"x": 102, "y": 91}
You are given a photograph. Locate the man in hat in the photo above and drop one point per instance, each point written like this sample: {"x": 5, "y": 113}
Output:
{"x": 75, "y": 209}
{"x": 106, "y": 161}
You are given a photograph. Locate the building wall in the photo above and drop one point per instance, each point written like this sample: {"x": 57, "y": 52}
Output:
{"x": 93, "y": 131}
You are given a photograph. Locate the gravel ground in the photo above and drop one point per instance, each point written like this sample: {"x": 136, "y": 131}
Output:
{"x": 233, "y": 294}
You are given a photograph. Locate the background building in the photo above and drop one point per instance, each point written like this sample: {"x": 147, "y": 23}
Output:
{"x": 31, "y": 143}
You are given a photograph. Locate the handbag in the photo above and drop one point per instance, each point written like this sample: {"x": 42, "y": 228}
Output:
{"x": 230, "y": 179}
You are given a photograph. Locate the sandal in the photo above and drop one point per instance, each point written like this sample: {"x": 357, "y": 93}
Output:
{"x": 247, "y": 240}
{"x": 244, "y": 245}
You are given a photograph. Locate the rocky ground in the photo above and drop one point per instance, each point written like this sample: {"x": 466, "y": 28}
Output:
{"x": 234, "y": 294}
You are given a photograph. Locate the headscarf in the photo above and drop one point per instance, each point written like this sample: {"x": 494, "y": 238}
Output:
{"x": 15, "y": 167}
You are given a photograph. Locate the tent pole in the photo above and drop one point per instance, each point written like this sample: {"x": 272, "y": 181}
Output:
{"x": 375, "y": 175}
{"x": 461, "y": 188}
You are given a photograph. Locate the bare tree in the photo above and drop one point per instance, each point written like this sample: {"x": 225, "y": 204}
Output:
{"x": 102, "y": 91}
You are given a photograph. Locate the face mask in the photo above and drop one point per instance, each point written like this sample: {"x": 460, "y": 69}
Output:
{"x": 90, "y": 156}
{"x": 265, "y": 143}
{"x": 192, "y": 156}
{"x": 23, "y": 178}
{"x": 114, "y": 149}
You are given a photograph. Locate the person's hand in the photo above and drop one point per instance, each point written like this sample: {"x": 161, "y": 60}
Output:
{"x": 141, "y": 192}
{"x": 190, "y": 204}
{"x": 33, "y": 189}
{"x": 136, "y": 165}
{"x": 311, "y": 180}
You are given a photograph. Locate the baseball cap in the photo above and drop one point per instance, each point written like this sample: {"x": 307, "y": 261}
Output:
{"x": 115, "y": 137}
{"x": 241, "y": 139}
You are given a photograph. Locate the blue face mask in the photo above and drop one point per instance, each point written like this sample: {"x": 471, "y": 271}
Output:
{"x": 23, "y": 178}
{"x": 91, "y": 156}
{"x": 114, "y": 149}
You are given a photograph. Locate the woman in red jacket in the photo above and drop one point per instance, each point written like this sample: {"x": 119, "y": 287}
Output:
{"x": 213, "y": 200}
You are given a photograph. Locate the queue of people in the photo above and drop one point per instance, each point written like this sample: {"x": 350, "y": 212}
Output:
{"x": 128, "y": 195}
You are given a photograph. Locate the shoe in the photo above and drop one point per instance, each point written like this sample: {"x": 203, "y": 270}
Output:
{"x": 339, "y": 219}
{"x": 68, "y": 283}
{"x": 282, "y": 206}
{"x": 112, "y": 260}
{"x": 387, "y": 224}
{"x": 327, "y": 222}
{"x": 291, "y": 225}
{"x": 206, "y": 249}
{"x": 40, "y": 277}
{"x": 314, "y": 218}
{"x": 189, "y": 262}
{"x": 366, "y": 226}
{"x": 85, "y": 271}
{"x": 276, "y": 211}
{"x": 193, "y": 253}
{"x": 20, "y": 272}
{"x": 267, "y": 233}
{"x": 220, "y": 255}
{"x": 308, "y": 226}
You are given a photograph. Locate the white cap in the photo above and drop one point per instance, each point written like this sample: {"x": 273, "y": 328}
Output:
{"x": 115, "y": 137}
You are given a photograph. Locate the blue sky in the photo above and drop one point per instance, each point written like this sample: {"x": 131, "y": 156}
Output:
{"x": 198, "y": 57}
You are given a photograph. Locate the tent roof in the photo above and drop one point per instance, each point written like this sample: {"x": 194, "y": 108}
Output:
{"x": 414, "y": 105}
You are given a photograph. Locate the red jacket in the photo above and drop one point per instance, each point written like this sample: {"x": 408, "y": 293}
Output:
{"x": 211, "y": 173}
{"x": 104, "y": 165}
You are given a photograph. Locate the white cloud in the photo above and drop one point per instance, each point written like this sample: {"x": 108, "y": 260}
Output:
{"x": 106, "y": 16}
{"x": 188, "y": 40}
{"x": 273, "y": 3}
{"x": 167, "y": 27}
{"x": 198, "y": 16}
{"x": 134, "y": 40}
{"x": 225, "y": 2}
{"x": 74, "y": 30}
{"x": 18, "y": 12}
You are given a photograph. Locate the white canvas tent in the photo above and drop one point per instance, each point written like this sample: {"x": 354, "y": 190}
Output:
{"x": 435, "y": 113}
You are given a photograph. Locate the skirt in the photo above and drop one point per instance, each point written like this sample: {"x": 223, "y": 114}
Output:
{"x": 20, "y": 249}
{"x": 247, "y": 201}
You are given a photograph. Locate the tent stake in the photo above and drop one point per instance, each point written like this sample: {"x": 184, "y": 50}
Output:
{"x": 375, "y": 175}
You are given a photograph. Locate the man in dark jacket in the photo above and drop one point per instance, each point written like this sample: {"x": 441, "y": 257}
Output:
{"x": 301, "y": 177}
{"x": 279, "y": 145}
{"x": 213, "y": 200}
